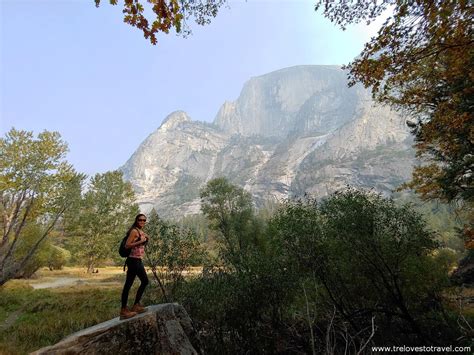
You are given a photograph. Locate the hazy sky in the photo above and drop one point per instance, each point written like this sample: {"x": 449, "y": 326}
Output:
{"x": 70, "y": 67}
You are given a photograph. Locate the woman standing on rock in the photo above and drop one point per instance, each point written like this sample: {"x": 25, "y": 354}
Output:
{"x": 136, "y": 242}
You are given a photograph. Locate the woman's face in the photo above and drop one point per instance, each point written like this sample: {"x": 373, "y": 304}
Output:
{"x": 141, "y": 221}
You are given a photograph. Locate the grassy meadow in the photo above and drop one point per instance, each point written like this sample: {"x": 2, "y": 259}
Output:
{"x": 32, "y": 318}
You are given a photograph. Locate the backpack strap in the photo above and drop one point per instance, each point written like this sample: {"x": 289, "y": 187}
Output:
{"x": 145, "y": 245}
{"x": 139, "y": 234}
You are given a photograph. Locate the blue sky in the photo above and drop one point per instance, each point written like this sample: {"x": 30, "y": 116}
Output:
{"x": 70, "y": 67}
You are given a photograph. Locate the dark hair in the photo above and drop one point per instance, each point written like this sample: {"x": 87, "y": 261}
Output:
{"x": 135, "y": 223}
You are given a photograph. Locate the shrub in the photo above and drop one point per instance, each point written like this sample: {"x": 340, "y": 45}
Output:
{"x": 242, "y": 311}
{"x": 342, "y": 274}
{"x": 58, "y": 257}
{"x": 373, "y": 259}
{"x": 170, "y": 252}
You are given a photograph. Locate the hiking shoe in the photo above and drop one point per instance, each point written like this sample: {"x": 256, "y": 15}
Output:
{"x": 138, "y": 308}
{"x": 125, "y": 313}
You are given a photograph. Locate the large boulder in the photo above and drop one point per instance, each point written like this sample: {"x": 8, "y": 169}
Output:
{"x": 163, "y": 329}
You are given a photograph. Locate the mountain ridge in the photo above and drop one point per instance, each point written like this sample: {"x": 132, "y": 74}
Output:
{"x": 293, "y": 131}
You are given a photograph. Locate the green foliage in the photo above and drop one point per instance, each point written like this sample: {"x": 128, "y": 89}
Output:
{"x": 331, "y": 271}
{"x": 346, "y": 273}
{"x": 57, "y": 257}
{"x": 98, "y": 225}
{"x": 27, "y": 239}
{"x": 230, "y": 212}
{"x": 37, "y": 186}
{"x": 206, "y": 235}
{"x": 171, "y": 251}
{"x": 421, "y": 62}
{"x": 47, "y": 254}
{"x": 373, "y": 259}
{"x": 242, "y": 311}
{"x": 446, "y": 258}
{"x": 239, "y": 304}
{"x": 198, "y": 223}
{"x": 441, "y": 218}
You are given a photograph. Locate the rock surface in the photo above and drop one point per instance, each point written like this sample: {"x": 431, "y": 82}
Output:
{"x": 163, "y": 329}
{"x": 293, "y": 131}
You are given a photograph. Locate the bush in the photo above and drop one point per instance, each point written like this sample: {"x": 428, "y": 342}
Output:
{"x": 58, "y": 257}
{"x": 170, "y": 252}
{"x": 242, "y": 311}
{"x": 343, "y": 274}
{"x": 374, "y": 261}
{"x": 30, "y": 234}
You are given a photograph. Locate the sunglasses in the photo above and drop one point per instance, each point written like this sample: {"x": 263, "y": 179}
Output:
{"x": 142, "y": 220}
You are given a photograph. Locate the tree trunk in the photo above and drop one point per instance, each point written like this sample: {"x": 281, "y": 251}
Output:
{"x": 8, "y": 273}
{"x": 155, "y": 274}
{"x": 90, "y": 265}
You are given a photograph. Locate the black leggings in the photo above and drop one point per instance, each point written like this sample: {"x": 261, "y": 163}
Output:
{"x": 134, "y": 268}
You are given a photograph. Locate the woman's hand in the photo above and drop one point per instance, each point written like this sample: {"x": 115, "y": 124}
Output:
{"x": 142, "y": 240}
{"x": 138, "y": 239}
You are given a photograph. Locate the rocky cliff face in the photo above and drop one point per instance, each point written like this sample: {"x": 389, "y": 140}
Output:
{"x": 171, "y": 164}
{"x": 295, "y": 100}
{"x": 294, "y": 131}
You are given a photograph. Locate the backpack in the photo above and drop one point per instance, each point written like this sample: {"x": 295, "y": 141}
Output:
{"x": 124, "y": 252}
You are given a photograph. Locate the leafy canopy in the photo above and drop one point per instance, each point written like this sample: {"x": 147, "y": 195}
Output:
{"x": 170, "y": 251}
{"x": 167, "y": 14}
{"x": 371, "y": 257}
{"x": 37, "y": 186}
{"x": 229, "y": 210}
{"x": 105, "y": 212}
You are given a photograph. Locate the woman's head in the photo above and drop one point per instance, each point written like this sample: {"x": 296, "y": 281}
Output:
{"x": 140, "y": 221}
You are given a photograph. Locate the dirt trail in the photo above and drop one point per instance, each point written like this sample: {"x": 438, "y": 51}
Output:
{"x": 66, "y": 281}
{"x": 59, "y": 282}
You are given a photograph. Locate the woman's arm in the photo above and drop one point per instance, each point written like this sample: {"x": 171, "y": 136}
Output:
{"x": 132, "y": 239}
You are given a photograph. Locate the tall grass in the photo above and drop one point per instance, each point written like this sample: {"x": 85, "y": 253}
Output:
{"x": 44, "y": 317}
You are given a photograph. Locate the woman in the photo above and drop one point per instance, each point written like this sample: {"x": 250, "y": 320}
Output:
{"x": 136, "y": 241}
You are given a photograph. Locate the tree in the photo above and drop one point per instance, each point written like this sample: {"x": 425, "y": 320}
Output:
{"x": 106, "y": 211}
{"x": 230, "y": 211}
{"x": 168, "y": 14}
{"x": 47, "y": 255}
{"x": 170, "y": 251}
{"x": 373, "y": 260}
{"x": 421, "y": 62}
{"x": 37, "y": 186}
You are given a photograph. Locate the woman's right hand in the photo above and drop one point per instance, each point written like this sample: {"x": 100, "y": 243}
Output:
{"x": 142, "y": 240}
